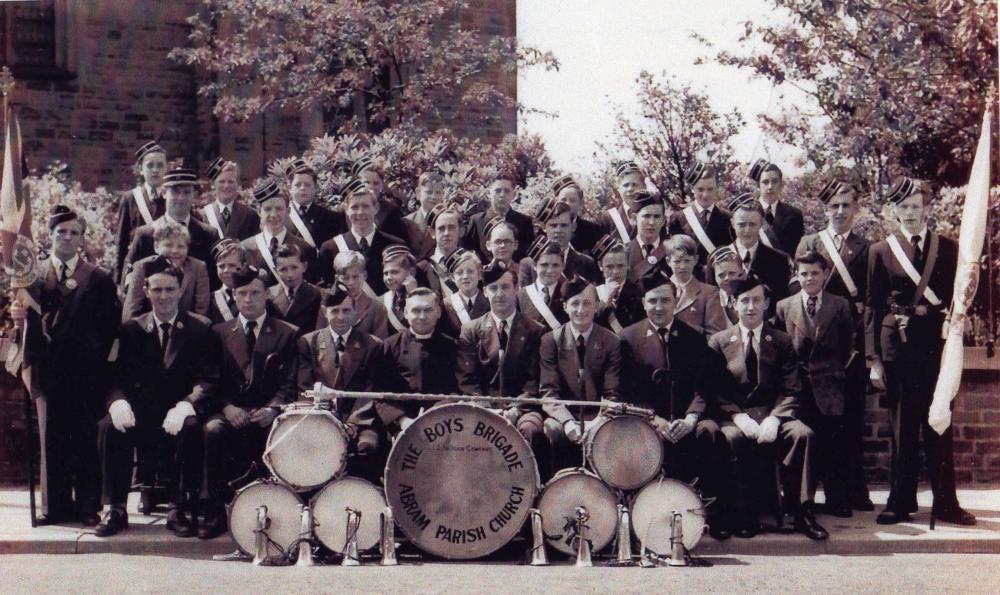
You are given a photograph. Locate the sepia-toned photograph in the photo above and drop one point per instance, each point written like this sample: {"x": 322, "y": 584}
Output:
{"x": 499, "y": 296}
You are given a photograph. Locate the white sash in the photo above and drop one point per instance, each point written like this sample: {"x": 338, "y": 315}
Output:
{"x": 390, "y": 313}
{"x": 139, "y": 195}
{"x": 604, "y": 292}
{"x": 213, "y": 219}
{"x": 300, "y": 225}
{"x": 343, "y": 247}
{"x": 459, "y": 304}
{"x": 222, "y": 304}
{"x": 539, "y": 303}
{"x": 910, "y": 270}
{"x": 766, "y": 239}
{"x": 265, "y": 253}
{"x": 838, "y": 261}
{"x": 616, "y": 218}
{"x": 698, "y": 230}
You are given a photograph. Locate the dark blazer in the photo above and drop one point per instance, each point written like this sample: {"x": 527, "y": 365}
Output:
{"x": 687, "y": 380}
{"x": 451, "y": 324}
{"x": 854, "y": 253}
{"x": 888, "y": 285}
{"x": 788, "y": 227}
{"x": 432, "y": 275}
{"x": 778, "y": 388}
{"x": 413, "y": 366}
{"x": 701, "y": 309}
{"x": 581, "y": 264}
{"x": 265, "y": 378}
{"x": 243, "y": 222}
{"x": 129, "y": 220}
{"x": 373, "y": 260}
{"x": 773, "y": 269}
{"x": 214, "y": 313}
{"x": 627, "y": 307}
{"x": 322, "y": 223}
{"x": 586, "y": 235}
{"x": 202, "y": 238}
{"x": 608, "y": 226}
{"x": 372, "y": 318}
{"x": 824, "y": 346}
{"x": 719, "y": 229}
{"x": 639, "y": 265}
{"x": 560, "y": 375}
{"x": 304, "y": 309}
{"x": 479, "y": 357}
{"x": 151, "y": 383}
{"x": 195, "y": 293}
{"x": 255, "y": 259}
{"x": 555, "y": 304}
{"x": 360, "y": 366}
{"x": 475, "y": 238}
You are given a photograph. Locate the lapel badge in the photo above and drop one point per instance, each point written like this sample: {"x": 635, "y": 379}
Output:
{"x": 732, "y": 338}
{"x": 767, "y": 338}
{"x": 651, "y": 259}
{"x": 179, "y": 324}
{"x": 149, "y": 327}
{"x": 674, "y": 333}
{"x": 71, "y": 283}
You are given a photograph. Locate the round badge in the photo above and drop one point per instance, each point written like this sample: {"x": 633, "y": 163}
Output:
{"x": 71, "y": 283}
{"x": 651, "y": 259}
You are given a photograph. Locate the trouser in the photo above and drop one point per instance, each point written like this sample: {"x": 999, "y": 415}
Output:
{"x": 229, "y": 454}
{"x": 184, "y": 452}
{"x": 69, "y": 471}
{"x": 531, "y": 425}
{"x": 565, "y": 453}
{"x": 909, "y": 390}
{"x": 702, "y": 455}
{"x": 854, "y": 430}
{"x": 832, "y": 463}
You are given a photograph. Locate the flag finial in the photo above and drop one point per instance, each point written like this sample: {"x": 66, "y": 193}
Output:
{"x": 6, "y": 81}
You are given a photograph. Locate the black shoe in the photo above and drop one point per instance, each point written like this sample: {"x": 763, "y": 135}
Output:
{"x": 747, "y": 530}
{"x": 808, "y": 526}
{"x": 838, "y": 510}
{"x": 213, "y": 525}
{"x": 114, "y": 521}
{"x": 180, "y": 524}
{"x": 891, "y": 517}
{"x": 719, "y": 532}
{"x": 957, "y": 516}
{"x": 865, "y": 505}
{"x": 90, "y": 519}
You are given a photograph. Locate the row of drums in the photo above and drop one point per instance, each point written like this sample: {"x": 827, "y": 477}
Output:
{"x": 460, "y": 483}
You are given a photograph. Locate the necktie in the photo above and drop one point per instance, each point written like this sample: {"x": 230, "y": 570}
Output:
{"x": 811, "y": 306}
{"x": 230, "y": 300}
{"x": 581, "y": 351}
{"x": 769, "y": 215}
{"x": 63, "y": 272}
{"x": 545, "y": 294}
{"x": 648, "y": 249}
{"x": 398, "y": 300}
{"x": 251, "y": 336}
{"x": 731, "y": 310}
{"x": 704, "y": 217}
{"x": 164, "y": 338}
{"x": 746, "y": 259}
{"x": 468, "y": 306}
{"x": 838, "y": 241}
{"x": 363, "y": 246}
{"x": 663, "y": 340}
{"x": 274, "y": 245}
{"x": 751, "y": 360}
{"x": 291, "y": 294}
{"x": 918, "y": 254}
{"x": 303, "y": 211}
{"x": 225, "y": 216}
{"x": 503, "y": 335}
{"x": 338, "y": 351}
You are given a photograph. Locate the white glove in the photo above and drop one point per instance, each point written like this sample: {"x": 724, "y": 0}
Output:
{"x": 174, "y": 420}
{"x": 573, "y": 430}
{"x": 747, "y": 425}
{"x": 405, "y": 422}
{"x": 122, "y": 416}
{"x": 939, "y": 416}
{"x": 768, "y": 430}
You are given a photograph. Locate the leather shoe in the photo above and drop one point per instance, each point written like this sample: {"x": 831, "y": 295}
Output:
{"x": 747, "y": 530}
{"x": 891, "y": 517}
{"x": 114, "y": 521}
{"x": 719, "y": 532}
{"x": 180, "y": 524}
{"x": 808, "y": 526}
{"x": 90, "y": 519}
{"x": 839, "y": 510}
{"x": 957, "y": 516}
{"x": 212, "y": 526}
{"x": 865, "y": 505}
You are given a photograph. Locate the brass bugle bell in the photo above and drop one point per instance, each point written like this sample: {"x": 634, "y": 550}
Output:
{"x": 305, "y": 557}
{"x": 260, "y": 554}
{"x": 351, "y": 557}
{"x": 538, "y": 555}
{"x": 677, "y": 557}
{"x": 623, "y": 540}
{"x": 387, "y": 539}
{"x": 583, "y": 553}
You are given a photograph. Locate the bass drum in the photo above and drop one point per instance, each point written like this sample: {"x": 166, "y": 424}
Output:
{"x": 460, "y": 480}
{"x": 329, "y": 508}
{"x": 625, "y": 451}
{"x": 567, "y": 490}
{"x": 653, "y": 508}
{"x": 284, "y": 511}
{"x": 307, "y": 447}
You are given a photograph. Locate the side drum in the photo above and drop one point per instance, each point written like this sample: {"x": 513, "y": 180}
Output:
{"x": 625, "y": 451}
{"x": 653, "y": 508}
{"x": 329, "y": 508}
{"x": 284, "y": 513}
{"x": 569, "y": 489}
{"x": 306, "y": 448}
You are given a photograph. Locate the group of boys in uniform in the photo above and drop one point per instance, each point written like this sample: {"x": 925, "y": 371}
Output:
{"x": 752, "y": 343}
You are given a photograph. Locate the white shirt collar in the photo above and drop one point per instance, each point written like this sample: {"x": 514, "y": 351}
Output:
{"x": 656, "y": 329}
{"x": 675, "y": 281}
{"x": 805, "y": 299}
{"x": 439, "y": 256}
{"x": 741, "y": 249}
{"x": 260, "y": 323}
{"x": 496, "y": 321}
{"x": 335, "y": 336}
{"x": 700, "y": 209}
{"x": 922, "y": 233}
{"x": 299, "y": 207}
{"x": 833, "y": 233}
{"x": 744, "y": 333}
{"x": 70, "y": 264}
{"x": 158, "y": 322}
{"x": 370, "y": 237}
{"x": 222, "y": 206}
{"x": 541, "y": 287}
{"x": 167, "y": 217}
{"x": 577, "y": 334}
{"x": 280, "y": 236}
{"x": 149, "y": 190}
{"x": 768, "y": 207}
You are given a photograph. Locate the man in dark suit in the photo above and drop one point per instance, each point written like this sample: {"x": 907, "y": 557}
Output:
{"x": 585, "y": 232}
{"x": 702, "y": 219}
{"x": 768, "y": 264}
{"x": 822, "y": 330}
{"x": 846, "y": 253}
{"x": 579, "y": 361}
{"x": 308, "y": 220}
{"x": 498, "y": 356}
{"x": 542, "y": 301}
{"x": 668, "y": 367}
{"x": 501, "y": 195}
{"x": 261, "y": 248}
{"x": 141, "y": 205}
{"x": 648, "y": 249}
{"x": 911, "y": 277}
{"x": 341, "y": 357}
{"x": 617, "y": 221}
{"x": 293, "y": 299}
{"x": 66, "y": 345}
{"x": 164, "y": 376}
{"x": 226, "y": 215}
{"x": 179, "y": 189}
{"x": 556, "y": 219}
{"x": 620, "y": 299}
{"x": 783, "y": 224}
{"x": 256, "y": 378}
{"x": 759, "y": 403}
{"x": 363, "y": 237}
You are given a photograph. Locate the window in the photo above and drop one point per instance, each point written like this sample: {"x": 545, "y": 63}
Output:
{"x": 34, "y": 38}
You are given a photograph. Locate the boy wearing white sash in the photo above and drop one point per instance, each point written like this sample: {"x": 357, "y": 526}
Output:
{"x": 227, "y": 216}
{"x": 702, "y": 219}
{"x": 143, "y": 204}
{"x": 262, "y": 247}
{"x": 308, "y": 220}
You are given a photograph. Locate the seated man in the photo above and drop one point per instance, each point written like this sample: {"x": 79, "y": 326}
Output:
{"x": 171, "y": 241}
{"x": 620, "y": 299}
{"x": 697, "y": 303}
{"x": 163, "y": 379}
{"x": 294, "y": 300}
{"x": 341, "y": 357}
{"x": 256, "y": 378}
{"x": 759, "y": 401}
{"x": 579, "y": 361}
{"x": 349, "y": 270}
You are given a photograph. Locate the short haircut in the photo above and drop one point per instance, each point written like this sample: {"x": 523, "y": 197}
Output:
{"x": 812, "y": 257}
{"x": 231, "y": 166}
{"x": 616, "y": 248}
{"x": 289, "y": 251}
{"x": 346, "y": 260}
{"x": 502, "y": 176}
{"x": 751, "y": 207}
{"x": 774, "y": 168}
{"x": 424, "y": 292}
{"x": 682, "y": 243}
{"x": 507, "y": 224}
{"x": 171, "y": 231}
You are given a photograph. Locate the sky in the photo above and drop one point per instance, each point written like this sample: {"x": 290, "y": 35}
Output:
{"x": 604, "y": 44}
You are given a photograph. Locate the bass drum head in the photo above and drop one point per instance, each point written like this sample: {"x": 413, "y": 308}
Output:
{"x": 306, "y": 448}
{"x": 652, "y": 510}
{"x": 283, "y": 509}
{"x": 566, "y": 491}
{"x": 461, "y": 480}
{"x": 625, "y": 451}
{"x": 330, "y": 515}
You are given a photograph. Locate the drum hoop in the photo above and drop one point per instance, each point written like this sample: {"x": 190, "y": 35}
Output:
{"x": 232, "y": 505}
{"x": 588, "y": 450}
{"x": 340, "y": 427}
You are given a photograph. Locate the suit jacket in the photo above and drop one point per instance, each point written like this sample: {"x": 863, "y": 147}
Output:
{"x": 701, "y": 309}
{"x": 153, "y": 383}
{"x": 824, "y": 346}
{"x": 854, "y": 253}
{"x": 129, "y": 220}
{"x": 478, "y": 370}
{"x": 202, "y": 238}
{"x": 255, "y": 259}
{"x": 303, "y": 311}
{"x": 360, "y": 366}
{"x": 639, "y": 265}
{"x": 373, "y": 260}
{"x": 608, "y": 226}
{"x": 773, "y": 269}
{"x": 419, "y": 219}
{"x": 451, "y": 324}
{"x": 681, "y": 386}
{"x": 777, "y": 391}
{"x": 581, "y": 264}
{"x": 586, "y": 235}
{"x": 243, "y": 221}
{"x": 475, "y": 238}
{"x": 265, "y": 378}
{"x": 719, "y": 230}
{"x": 626, "y": 306}
{"x": 195, "y": 294}
{"x": 560, "y": 376}
{"x": 529, "y": 311}
{"x": 888, "y": 284}
{"x": 414, "y": 366}
{"x": 322, "y": 223}
{"x": 214, "y": 313}
{"x": 372, "y": 317}
{"x": 788, "y": 227}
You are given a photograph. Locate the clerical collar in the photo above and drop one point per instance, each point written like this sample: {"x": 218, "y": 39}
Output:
{"x": 420, "y": 337}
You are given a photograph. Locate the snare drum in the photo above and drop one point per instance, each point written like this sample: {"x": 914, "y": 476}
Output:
{"x": 329, "y": 508}
{"x": 625, "y": 451}
{"x": 461, "y": 481}
{"x": 307, "y": 447}
{"x": 567, "y": 490}
{"x": 653, "y": 508}
{"x": 284, "y": 511}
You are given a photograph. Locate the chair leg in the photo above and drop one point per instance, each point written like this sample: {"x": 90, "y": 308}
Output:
{"x": 779, "y": 515}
